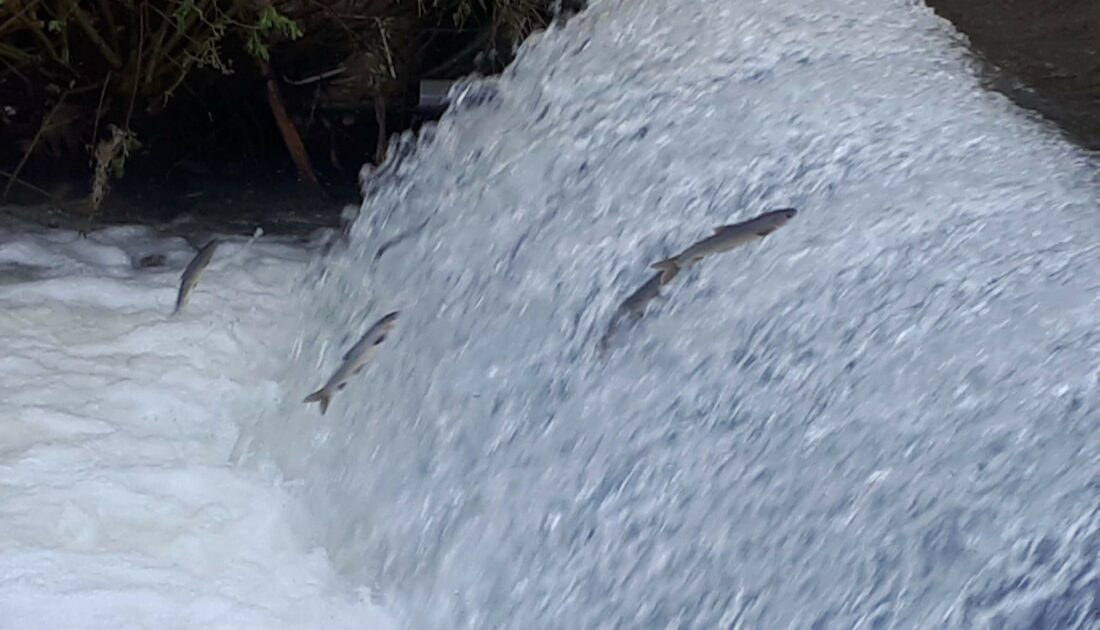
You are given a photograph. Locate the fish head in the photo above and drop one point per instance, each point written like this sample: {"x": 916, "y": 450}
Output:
{"x": 388, "y": 320}
{"x": 772, "y": 221}
{"x": 383, "y": 328}
{"x": 781, "y": 216}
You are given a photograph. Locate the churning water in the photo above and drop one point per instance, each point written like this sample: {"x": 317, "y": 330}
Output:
{"x": 883, "y": 415}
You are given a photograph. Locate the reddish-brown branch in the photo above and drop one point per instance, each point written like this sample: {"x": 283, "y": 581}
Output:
{"x": 291, "y": 138}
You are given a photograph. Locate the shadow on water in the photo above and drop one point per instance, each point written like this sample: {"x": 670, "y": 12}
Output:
{"x": 1042, "y": 55}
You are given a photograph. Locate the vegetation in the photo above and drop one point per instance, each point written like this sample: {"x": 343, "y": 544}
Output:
{"x": 98, "y": 78}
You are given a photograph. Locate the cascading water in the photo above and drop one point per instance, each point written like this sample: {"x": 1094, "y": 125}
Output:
{"x": 883, "y": 415}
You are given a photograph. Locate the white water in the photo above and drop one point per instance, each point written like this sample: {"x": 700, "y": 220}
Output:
{"x": 882, "y": 416}
{"x": 119, "y": 507}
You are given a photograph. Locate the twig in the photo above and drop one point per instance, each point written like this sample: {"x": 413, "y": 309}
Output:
{"x": 24, "y": 183}
{"x": 386, "y": 46}
{"x": 353, "y": 40}
{"x": 14, "y": 53}
{"x": 316, "y": 77}
{"x": 99, "y": 109}
{"x": 182, "y": 30}
{"x": 161, "y": 61}
{"x": 137, "y": 73}
{"x": 26, "y": 7}
{"x": 380, "y": 118}
{"x": 63, "y": 34}
{"x": 313, "y": 108}
{"x": 13, "y": 69}
{"x": 34, "y": 142}
{"x": 109, "y": 18}
{"x": 442, "y": 67}
{"x": 154, "y": 57}
{"x": 86, "y": 25}
{"x": 32, "y": 25}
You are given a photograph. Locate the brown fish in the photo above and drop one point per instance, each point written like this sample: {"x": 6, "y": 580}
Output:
{"x": 725, "y": 238}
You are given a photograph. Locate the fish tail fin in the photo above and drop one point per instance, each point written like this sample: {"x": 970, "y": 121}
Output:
{"x": 668, "y": 267}
{"x": 322, "y": 396}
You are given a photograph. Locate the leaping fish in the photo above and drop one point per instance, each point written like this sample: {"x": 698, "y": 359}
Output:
{"x": 633, "y": 307}
{"x": 192, "y": 273}
{"x": 725, "y": 238}
{"x": 353, "y": 361}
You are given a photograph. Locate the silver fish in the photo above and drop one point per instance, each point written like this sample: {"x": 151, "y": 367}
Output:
{"x": 725, "y": 238}
{"x": 633, "y": 307}
{"x": 353, "y": 361}
{"x": 192, "y": 273}
{"x": 636, "y": 302}
{"x": 399, "y": 238}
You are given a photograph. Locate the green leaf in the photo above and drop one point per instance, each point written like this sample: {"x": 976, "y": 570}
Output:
{"x": 182, "y": 11}
{"x": 273, "y": 21}
{"x": 256, "y": 48}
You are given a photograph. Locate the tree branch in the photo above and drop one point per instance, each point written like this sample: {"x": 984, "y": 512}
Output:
{"x": 86, "y": 25}
{"x": 286, "y": 127}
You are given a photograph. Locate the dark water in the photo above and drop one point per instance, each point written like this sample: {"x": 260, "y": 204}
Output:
{"x": 1045, "y": 55}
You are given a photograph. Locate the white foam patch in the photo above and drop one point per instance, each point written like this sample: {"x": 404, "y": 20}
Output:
{"x": 119, "y": 506}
